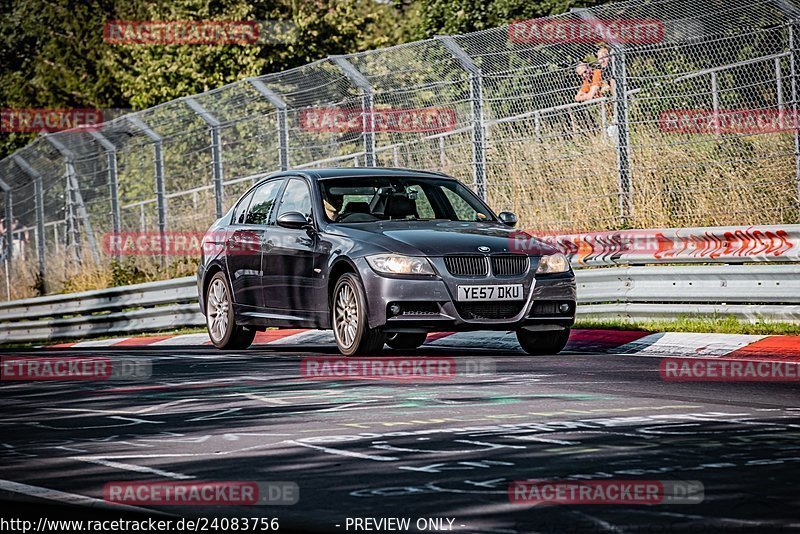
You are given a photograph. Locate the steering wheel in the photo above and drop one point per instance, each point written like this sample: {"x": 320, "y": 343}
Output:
{"x": 355, "y": 217}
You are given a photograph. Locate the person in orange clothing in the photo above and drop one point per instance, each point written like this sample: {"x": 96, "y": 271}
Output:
{"x": 592, "y": 82}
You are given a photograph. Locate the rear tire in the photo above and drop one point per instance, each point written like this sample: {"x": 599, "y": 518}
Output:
{"x": 221, "y": 324}
{"x": 405, "y": 341}
{"x": 542, "y": 343}
{"x": 349, "y": 319}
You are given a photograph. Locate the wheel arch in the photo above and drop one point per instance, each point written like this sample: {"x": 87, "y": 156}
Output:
{"x": 339, "y": 267}
{"x": 212, "y": 269}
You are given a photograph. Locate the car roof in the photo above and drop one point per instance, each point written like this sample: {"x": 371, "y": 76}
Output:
{"x": 342, "y": 172}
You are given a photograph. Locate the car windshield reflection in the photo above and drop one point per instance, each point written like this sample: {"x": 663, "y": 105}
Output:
{"x": 352, "y": 200}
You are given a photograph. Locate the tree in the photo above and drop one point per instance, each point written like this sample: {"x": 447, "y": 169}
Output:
{"x": 463, "y": 16}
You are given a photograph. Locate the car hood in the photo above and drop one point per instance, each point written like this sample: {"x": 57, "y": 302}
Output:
{"x": 437, "y": 238}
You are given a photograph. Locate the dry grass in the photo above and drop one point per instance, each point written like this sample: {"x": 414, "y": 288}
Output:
{"x": 569, "y": 182}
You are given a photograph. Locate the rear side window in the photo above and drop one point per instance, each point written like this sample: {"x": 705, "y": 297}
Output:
{"x": 263, "y": 203}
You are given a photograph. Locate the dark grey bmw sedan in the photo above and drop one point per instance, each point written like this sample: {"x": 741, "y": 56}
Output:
{"x": 380, "y": 256}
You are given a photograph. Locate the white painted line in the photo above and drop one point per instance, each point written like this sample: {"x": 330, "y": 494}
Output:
{"x": 688, "y": 344}
{"x": 344, "y": 453}
{"x": 132, "y": 467}
{"x": 70, "y": 498}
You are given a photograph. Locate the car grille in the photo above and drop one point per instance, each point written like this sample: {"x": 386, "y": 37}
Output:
{"x": 473, "y": 265}
{"x": 510, "y": 265}
{"x": 489, "y": 310}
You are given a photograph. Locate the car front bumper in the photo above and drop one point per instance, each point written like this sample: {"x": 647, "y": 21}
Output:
{"x": 429, "y": 304}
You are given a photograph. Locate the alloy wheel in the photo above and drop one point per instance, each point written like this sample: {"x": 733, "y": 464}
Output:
{"x": 346, "y": 315}
{"x": 217, "y": 310}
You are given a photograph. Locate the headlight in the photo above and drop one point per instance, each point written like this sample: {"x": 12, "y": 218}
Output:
{"x": 555, "y": 263}
{"x": 398, "y": 264}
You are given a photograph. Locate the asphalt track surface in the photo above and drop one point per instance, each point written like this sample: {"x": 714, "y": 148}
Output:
{"x": 415, "y": 449}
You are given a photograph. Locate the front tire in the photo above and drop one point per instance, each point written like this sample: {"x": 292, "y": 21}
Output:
{"x": 405, "y": 341}
{"x": 542, "y": 343}
{"x": 220, "y": 321}
{"x": 349, "y": 319}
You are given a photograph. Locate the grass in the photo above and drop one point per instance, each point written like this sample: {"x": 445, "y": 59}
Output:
{"x": 709, "y": 324}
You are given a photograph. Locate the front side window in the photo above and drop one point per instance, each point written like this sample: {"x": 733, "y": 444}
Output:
{"x": 240, "y": 212}
{"x": 263, "y": 203}
{"x": 296, "y": 197}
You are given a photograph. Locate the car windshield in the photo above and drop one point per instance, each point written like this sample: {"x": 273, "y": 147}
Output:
{"x": 405, "y": 198}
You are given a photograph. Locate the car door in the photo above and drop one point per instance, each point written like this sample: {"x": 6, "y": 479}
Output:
{"x": 246, "y": 243}
{"x": 291, "y": 255}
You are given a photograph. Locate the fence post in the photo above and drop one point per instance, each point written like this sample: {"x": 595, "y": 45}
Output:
{"x": 69, "y": 159}
{"x": 283, "y": 127}
{"x": 113, "y": 183}
{"x": 39, "y": 207}
{"x": 158, "y": 156}
{"x": 793, "y": 49}
{"x": 9, "y": 213}
{"x": 476, "y": 101}
{"x": 620, "y": 77}
{"x": 367, "y": 106}
{"x": 72, "y": 233}
{"x": 216, "y": 152}
{"x": 715, "y": 101}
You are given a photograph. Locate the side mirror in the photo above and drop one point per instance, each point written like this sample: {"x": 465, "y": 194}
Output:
{"x": 293, "y": 220}
{"x": 508, "y": 218}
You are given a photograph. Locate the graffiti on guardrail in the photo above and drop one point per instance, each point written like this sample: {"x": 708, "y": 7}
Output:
{"x": 670, "y": 245}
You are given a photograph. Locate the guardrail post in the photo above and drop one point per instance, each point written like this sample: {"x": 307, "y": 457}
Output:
{"x": 367, "y": 106}
{"x": 158, "y": 157}
{"x": 83, "y": 215}
{"x": 38, "y": 196}
{"x": 113, "y": 183}
{"x": 476, "y": 102}
{"x": 283, "y": 128}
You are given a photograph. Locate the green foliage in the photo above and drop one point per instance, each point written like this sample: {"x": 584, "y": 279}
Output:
{"x": 52, "y": 52}
{"x": 126, "y": 272}
{"x": 727, "y": 324}
{"x": 438, "y": 17}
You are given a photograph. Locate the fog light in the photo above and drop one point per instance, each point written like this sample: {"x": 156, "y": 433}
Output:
{"x": 563, "y": 308}
{"x": 394, "y": 309}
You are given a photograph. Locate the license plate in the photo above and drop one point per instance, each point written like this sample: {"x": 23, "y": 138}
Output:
{"x": 504, "y": 292}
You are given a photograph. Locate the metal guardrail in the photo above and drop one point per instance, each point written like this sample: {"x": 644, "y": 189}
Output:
{"x": 748, "y": 292}
{"x": 130, "y": 309}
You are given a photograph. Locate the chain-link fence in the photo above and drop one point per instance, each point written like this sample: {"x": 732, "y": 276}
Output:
{"x": 687, "y": 117}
